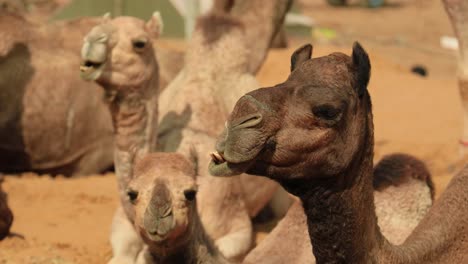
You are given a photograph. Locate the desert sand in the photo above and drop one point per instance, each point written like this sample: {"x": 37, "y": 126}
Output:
{"x": 67, "y": 220}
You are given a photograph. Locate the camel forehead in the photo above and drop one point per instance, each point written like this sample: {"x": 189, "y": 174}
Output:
{"x": 333, "y": 68}
{"x": 329, "y": 77}
{"x": 129, "y": 25}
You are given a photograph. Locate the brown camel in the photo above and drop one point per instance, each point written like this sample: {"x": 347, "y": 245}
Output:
{"x": 314, "y": 135}
{"x": 227, "y": 47}
{"x": 162, "y": 193}
{"x": 457, "y": 11}
{"x": 44, "y": 120}
{"x": 6, "y": 216}
{"x": 403, "y": 193}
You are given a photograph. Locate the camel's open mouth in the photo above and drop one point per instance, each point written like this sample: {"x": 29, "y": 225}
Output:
{"x": 220, "y": 166}
{"x": 91, "y": 70}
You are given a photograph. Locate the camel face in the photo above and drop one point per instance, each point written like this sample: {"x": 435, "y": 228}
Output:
{"x": 119, "y": 52}
{"x": 163, "y": 196}
{"x": 308, "y": 125}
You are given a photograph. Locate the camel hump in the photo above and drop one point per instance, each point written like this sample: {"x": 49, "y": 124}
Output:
{"x": 397, "y": 169}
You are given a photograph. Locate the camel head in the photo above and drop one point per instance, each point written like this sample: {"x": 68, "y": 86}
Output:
{"x": 162, "y": 194}
{"x": 310, "y": 126}
{"x": 119, "y": 52}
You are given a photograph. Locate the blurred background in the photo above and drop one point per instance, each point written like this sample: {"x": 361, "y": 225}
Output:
{"x": 414, "y": 88}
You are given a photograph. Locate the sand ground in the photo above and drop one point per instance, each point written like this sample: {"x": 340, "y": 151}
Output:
{"x": 62, "y": 220}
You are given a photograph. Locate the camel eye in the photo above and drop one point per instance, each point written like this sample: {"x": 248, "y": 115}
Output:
{"x": 139, "y": 44}
{"x": 132, "y": 195}
{"x": 326, "y": 112}
{"x": 190, "y": 194}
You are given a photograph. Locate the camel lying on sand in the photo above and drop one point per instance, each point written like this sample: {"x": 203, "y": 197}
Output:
{"x": 6, "y": 216}
{"x": 328, "y": 163}
{"x": 163, "y": 196}
{"x": 54, "y": 123}
{"x": 403, "y": 193}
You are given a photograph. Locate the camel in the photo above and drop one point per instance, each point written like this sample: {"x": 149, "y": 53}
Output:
{"x": 403, "y": 193}
{"x": 162, "y": 193}
{"x": 314, "y": 135}
{"x": 227, "y": 47}
{"x": 118, "y": 55}
{"x": 457, "y": 11}
{"x": 6, "y": 216}
{"x": 43, "y": 114}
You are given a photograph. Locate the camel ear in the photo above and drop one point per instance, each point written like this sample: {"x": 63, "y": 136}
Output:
{"x": 362, "y": 68}
{"x": 106, "y": 17}
{"x": 300, "y": 55}
{"x": 155, "y": 25}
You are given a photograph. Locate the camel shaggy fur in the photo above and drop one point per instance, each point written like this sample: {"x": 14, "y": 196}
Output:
{"x": 45, "y": 117}
{"x": 226, "y": 48}
{"x": 6, "y": 216}
{"x": 328, "y": 163}
{"x": 403, "y": 193}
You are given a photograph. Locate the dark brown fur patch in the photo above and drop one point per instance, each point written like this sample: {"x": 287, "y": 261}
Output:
{"x": 214, "y": 26}
{"x": 397, "y": 169}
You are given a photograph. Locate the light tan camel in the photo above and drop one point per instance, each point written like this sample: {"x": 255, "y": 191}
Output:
{"x": 314, "y": 135}
{"x": 119, "y": 55}
{"x": 457, "y": 11}
{"x": 54, "y": 123}
{"x": 6, "y": 216}
{"x": 163, "y": 194}
{"x": 227, "y": 47}
{"x": 403, "y": 193}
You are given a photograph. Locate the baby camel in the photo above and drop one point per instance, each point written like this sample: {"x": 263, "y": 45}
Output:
{"x": 6, "y": 217}
{"x": 314, "y": 135}
{"x": 163, "y": 196}
{"x": 403, "y": 193}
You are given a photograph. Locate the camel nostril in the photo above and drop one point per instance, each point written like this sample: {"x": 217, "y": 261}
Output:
{"x": 250, "y": 121}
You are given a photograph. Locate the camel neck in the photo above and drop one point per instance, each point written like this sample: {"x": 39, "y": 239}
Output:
{"x": 340, "y": 209}
{"x": 341, "y": 221}
{"x": 134, "y": 116}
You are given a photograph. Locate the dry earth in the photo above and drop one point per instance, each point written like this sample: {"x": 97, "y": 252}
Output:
{"x": 60, "y": 220}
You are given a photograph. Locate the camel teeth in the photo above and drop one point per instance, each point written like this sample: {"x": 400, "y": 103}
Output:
{"x": 216, "y": 157}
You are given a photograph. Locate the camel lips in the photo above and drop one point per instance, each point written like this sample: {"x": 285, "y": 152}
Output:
{"x": 217, "y": 157}
{"x": 89, "y": 65}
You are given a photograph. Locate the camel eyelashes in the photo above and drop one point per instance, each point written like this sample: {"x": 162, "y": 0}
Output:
{"x": 132, "y": 195}
{"x": 190, "y": 194}
{"x": 326, "y": 112}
